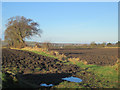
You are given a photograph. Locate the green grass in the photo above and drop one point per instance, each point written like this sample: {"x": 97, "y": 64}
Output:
{"x": 3, "y": 77}
{"x": 105, "y": 73}
{"x": 41, "y": 53}
{"x": 0, "y": 80}
{"x": 37, "y": 52}
{"x": 44, "y": 54}
{"x": 0, "y": 74}
{"x": 108, "y": 72}
{"x": 66, "y": 84}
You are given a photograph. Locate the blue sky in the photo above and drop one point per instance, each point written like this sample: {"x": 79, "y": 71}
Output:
{"x": 79, "y": 22}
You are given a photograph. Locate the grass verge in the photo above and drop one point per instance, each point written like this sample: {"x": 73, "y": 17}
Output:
{"x": 37, "y": 51}
{"x": 107, "y": 74}
{"x": 44, "y": 54}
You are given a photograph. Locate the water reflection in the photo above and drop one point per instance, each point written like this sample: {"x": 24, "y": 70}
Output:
{"x": 72, "y": 79}
{"x": 45, "y": 85}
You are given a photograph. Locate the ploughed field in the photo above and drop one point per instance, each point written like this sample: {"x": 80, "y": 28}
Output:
{"x": 98, "y": 56}
{"x": 28, "y": 62}
{"x": 31, "y": 70}
{"x": 35, "y": 68}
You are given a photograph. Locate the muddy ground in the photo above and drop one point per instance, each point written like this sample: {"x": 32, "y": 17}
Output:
{"x": 36, "y": 69}
{"x": 28, "y": 62}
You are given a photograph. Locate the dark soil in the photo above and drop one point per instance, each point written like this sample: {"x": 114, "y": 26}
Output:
{"x": 98, "y": 56}
{"x": 36, "y": 69}
{"x": 28, "y": 62}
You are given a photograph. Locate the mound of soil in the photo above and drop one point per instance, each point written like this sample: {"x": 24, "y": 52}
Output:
{"x": 98, "y": 56}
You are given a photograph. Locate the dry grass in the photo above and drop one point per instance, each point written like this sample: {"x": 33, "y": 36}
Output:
{"x": 73, "y": 60}
{"x": 111, "y": 47}
{"x": 84, "y": 62}
{"x": 61, "y": 57}
{"x": 33, "y": 49}
{"x": 52, "y": 53}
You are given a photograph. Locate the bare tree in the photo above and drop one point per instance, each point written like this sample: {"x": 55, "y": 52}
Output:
{"x": 19, "y": 28}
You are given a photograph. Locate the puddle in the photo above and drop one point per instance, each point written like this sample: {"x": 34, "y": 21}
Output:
{"x": 46, "y": 85}
{"x": 72, "y": 79}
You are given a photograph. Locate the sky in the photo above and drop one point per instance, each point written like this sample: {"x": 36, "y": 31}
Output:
{"x": 68, "y": 22}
